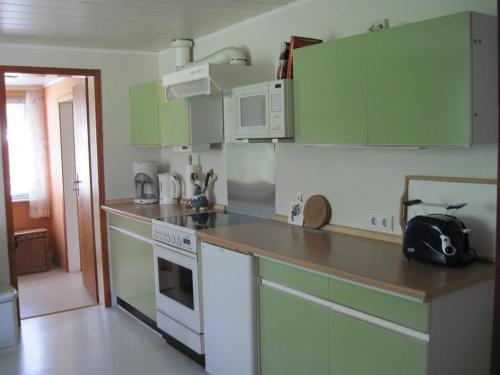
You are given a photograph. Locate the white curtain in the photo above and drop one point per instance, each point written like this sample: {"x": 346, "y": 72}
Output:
{"x": 37, "y": 152}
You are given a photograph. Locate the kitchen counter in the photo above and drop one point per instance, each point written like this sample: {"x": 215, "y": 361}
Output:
{"x": 371, "y": 262}
{"x": 148, "y": 212}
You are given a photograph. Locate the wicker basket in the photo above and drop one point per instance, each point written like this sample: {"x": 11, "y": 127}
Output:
{"x": 31, "y": 251}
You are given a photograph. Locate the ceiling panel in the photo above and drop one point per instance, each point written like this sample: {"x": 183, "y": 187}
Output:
{"x": 145, "y": 25}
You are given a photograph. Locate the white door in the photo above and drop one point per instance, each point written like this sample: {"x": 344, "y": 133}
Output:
{"x": 69, "y": 175}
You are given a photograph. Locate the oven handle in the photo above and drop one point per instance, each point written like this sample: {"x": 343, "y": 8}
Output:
{"x": 165, "y": 247}
{"x": 131, "y": 234}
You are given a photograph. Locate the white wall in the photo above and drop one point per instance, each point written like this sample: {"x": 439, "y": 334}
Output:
{"x": 119, "y": 70}
{"x": 358, "y": 182}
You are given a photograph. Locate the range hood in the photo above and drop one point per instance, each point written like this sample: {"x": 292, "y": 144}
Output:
{"x": 211, "y": 79}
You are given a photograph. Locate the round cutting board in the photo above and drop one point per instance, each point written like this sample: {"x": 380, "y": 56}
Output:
{"x": 317, "y": 212}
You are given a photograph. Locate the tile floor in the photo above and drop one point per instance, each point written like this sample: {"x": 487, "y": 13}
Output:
{"x": 52, "y": 291}
{"x": 92, "y": 341}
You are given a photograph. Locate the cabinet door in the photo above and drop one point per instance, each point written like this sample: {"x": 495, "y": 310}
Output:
{"x": 132, "y": 272}
{"x": 330, "y": 92}
{"x": 357, "y": 347}
{"x": 419, "y": 83}
{"x": 144, "y": 114}
{"x": 174, "y": 122}
{"x": 293, "y": 334}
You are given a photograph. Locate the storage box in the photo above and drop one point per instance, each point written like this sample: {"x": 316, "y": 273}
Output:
{"x": 9, "y": 330}
{"x": 31, "y": 251}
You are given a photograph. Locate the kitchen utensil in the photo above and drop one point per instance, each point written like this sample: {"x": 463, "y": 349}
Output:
{"x": 207, "y": 178}
{"x": 190, "y": 168}
{"x": 199, "y": 199}
{"x": 317, "y": 212}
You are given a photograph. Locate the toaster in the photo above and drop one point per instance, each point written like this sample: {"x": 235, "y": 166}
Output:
{"x": 438, "y": 238}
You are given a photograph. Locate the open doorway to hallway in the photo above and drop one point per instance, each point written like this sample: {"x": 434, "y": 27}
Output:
{"x": 49, "y": 174}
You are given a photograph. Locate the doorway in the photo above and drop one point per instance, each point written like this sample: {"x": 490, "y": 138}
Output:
{"x": 72, "y": 115}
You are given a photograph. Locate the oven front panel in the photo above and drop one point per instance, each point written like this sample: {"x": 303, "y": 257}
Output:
{"x": 176, "y": 286}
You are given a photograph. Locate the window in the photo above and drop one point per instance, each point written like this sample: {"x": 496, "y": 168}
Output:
{"x": 18, "y": 139}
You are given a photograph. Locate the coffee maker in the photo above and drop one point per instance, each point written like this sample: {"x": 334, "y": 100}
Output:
{"x": 146, "y": 182}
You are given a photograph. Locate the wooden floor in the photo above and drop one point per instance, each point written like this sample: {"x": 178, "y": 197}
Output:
{"x": 53, "y": 291}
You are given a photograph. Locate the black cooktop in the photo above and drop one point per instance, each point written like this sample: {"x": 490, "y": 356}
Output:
{"x": 208, "y": 220}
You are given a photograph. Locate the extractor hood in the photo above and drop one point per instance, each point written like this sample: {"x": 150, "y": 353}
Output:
{"x": 211, "y": 79}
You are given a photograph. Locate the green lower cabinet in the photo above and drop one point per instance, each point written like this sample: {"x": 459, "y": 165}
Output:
{"x": 132, "y": 272}
{"x": 293, "y": 333}
{"x": 360, "y": 348}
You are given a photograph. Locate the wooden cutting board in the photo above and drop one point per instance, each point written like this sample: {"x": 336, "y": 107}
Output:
{"x": 317, "y": 212}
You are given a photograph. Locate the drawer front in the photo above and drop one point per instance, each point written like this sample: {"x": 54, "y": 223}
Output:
{"x": 405, "y": 312}
{"x": 131, "y": 225}
{"x": 295, "y": 278}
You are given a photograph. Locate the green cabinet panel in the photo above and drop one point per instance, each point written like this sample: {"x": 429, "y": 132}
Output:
{"x": 357, "y": 347}
{"x": 294, "y": 335}
{"x": 295, "y": 278}
{"x": 145, "y": 114}
{"x": 330, "y": 92}
{"x": 132, "y": 272}
{"x": 174, "y": 123}
{"x": 419, "y": 83}
{"x": 399, "y": 310}
{"x": 131, "y": 225}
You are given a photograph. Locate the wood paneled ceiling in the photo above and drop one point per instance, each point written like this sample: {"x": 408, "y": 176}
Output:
{"x": 142, "y": 25}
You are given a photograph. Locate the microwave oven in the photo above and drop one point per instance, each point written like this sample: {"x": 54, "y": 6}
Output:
{"x": 264, "y": 110}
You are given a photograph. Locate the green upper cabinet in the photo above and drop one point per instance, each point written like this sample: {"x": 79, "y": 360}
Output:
{"x": 330, "y": 92}
{"x": 179, "y": 122}
{"x": 419, "y": 83}
{"x": 174, "y": 123}
{"x": 429, "y": 83}
{"x": 145, "y": 114}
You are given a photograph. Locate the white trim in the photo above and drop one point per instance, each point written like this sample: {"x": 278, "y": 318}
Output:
{"x": 350, "y": 312}
{"x": 77, "y": 49}
{"x": 131, "y": 234}
{"x": 357, "y": 283}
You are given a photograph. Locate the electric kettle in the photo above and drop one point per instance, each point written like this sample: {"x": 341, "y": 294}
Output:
{"x": 170, "y": 188}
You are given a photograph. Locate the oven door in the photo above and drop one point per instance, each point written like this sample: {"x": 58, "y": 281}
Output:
{"x": 176, "y": 284}
{"x": 252, "y": 111}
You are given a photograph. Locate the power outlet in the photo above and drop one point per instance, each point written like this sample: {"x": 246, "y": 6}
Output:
{"x": 381, "y": 222}
{"x": 379, "y": 25}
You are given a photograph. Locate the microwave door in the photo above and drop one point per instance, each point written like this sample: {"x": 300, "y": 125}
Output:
{"x": 252, "y": 115}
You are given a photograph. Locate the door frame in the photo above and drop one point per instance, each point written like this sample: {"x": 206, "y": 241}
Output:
{"x": 96, "y": 185}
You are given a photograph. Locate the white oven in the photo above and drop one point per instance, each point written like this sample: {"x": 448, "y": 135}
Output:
{"x": 264, "y": 110}
{"x": 177, "y": 288}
